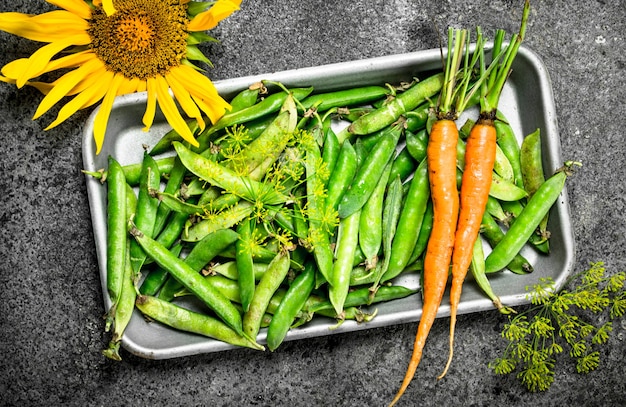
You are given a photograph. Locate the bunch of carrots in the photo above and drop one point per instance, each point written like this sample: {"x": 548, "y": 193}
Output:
{"x": 458, "y": 214}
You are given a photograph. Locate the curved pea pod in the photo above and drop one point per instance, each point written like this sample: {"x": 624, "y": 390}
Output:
{"x": 505, "y": 191}
{"x": 369, "y": 172}
{"x": 361, "y": 296}
{"x": 344, "y": 98}
{"x": 532, "y": 171}
{"x": 165, "y": 143}
{"x": 245, "y": 263}
{"x": 192, "y": 280}
{"x": 267, "y": 286}
{"x": 389, "y": 113}
{"x": 265, "y": 149}
{"x": 147, "y": 206}
{"x": 199, "y": 256}
{"x": 290, "y": 305}
{"x": 526, "y": 223}
{"x": 345, "y": 250}
{"x": 510, "y": 147}
{"x": 416, "y": 144}
{"x": 225, "y": 219}
{"x": 270, "y": 104}
{"x": 371, "y": 221}
{"x": 227, "y": 179}
{"x": 186, "y": 320}
{"x": 317, "y": 231}
{"x": 416, "y": 119}
{"x": 477, "y": 268}
{"x": 245, "y": 98}
{"x": 122, "y": 310}
{"x": 403, "y": 165}
{"x": 116, "y": 229}
{"x": 502, "y": 166}
{"x": 411, "y": 218}
{"x": 491, "y": 231}
{"x": 342, "y": 174}
{"x": 392, "y": 207}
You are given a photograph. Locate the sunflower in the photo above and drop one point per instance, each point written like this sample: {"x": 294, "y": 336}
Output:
{"x": 107, "y": 48}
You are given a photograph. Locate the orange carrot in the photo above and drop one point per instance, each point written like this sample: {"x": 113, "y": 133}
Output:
{"x": 441, "y": 158}
{"x": 480, "y": 154}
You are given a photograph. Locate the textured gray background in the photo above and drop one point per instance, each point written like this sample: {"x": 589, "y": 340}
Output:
{"x": 51, "y": 327}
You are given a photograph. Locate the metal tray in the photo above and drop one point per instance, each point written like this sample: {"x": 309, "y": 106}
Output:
{"x": 527, "y": 102}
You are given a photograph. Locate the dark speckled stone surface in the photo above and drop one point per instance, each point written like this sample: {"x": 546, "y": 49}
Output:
{"x": 51, "y": 326}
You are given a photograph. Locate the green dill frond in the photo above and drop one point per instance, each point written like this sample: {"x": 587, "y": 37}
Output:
{"x": 558, "y": 319}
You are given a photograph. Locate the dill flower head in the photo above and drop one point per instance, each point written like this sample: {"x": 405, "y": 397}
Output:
{"x": 108, "y": 48}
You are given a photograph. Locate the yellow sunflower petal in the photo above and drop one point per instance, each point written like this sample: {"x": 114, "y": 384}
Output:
{"x": 102, "y": 117}
{"x": 39, "y": 60}
{"x": 108, "y": 7}
{"x": 77, "y": 7}
{"x": 184, "y": 99}
{"x": 148, "y": 116}
{"x": 47, "y": 27}
{"x": 202, "y": 89}
{"x": 86, "y": 98}
{"x": 171, "y": 113}
{"x": 209, "y": 19}
{"x": 65, "y": 84}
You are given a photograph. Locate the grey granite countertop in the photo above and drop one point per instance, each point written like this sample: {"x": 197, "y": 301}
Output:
{"x": 51, "y": 305}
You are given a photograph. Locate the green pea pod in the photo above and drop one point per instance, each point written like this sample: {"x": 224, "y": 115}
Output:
{"x": 265, "y": 149}
{"x": 477, "y": 268}
{"x": 172, "y": 186}
{"x": 116, "y": 229}
{"x": 416, "y": 144}
{"x": 371, "y": 221}
{"x": 510, "y": 147}
{"x": 404, "y": 102}
{"x": 403, "y": 165}
{"x": 145, "y": 214}
{"x": 222, "y": 220}
{"x": 532, "y": 171}
{"x": 344, "y": 98}
{"x": 502, "y": 166}
{"x": 158, "y": 276}
{"x": 123, "y": 310}
{"x": 318, "y": 233}
{"x": 494, "y": 208}
{"x": 245, "y": 263}
{"x": 331, "y": 149}
{"x": 190, "y": 321}
{"x": 200, "y": 255}
{"x": 244, "y": 99}
{"x": 416, "y": 119}
{"x": 424, "y": 234}
{"x": 342, "y": 174}
{"x": 227, "y": 179}
{"x": 347, "y": 243}
{"x": 392, "y": 207}
{"x": 526, "y": 223}
{"x": 505, "y": 191}
{"x": 270, "y": 104}
{"x": 132, "y": 172}
{"x": 191, "y": 279}
{"x": 165, "y": 143}
{"x": 361, "y": 297}
{"x": 411, "y": 218}
{"x": 369, "y": 172}
{"x": 513, "y": 209}
{"x": 271, "y": 280}
{"x": 491, "y": 231}
{"x": 292, "y": 302}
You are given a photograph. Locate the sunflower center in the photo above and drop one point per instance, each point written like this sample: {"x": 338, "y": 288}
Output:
{"x": 142, "y": 39}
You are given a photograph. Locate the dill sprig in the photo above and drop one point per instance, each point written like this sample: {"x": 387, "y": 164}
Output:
{"x": 556, "y": 321}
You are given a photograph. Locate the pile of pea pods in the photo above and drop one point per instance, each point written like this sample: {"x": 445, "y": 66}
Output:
{"x": 271, "y": 217}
